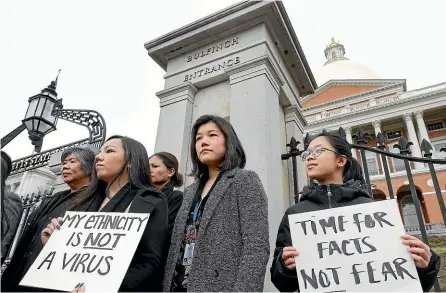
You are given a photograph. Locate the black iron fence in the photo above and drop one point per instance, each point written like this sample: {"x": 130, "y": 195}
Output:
{"x": 361, "y": 143}
{"x": 29, "y": 203}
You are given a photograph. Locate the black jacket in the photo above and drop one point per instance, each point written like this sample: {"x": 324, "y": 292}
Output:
{"x": 10, "y": 221}
{"x": 315, "y": 198}
{"x": 174, "y": 201}
{"x": 145, "y": 271}
{"x": 30, "y": 245}
{"x": 146, "y": 268}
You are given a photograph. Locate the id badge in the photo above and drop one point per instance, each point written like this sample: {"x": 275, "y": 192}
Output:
{"x": 188, "y": 254}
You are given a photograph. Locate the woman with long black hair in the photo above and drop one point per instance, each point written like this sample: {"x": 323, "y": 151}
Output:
{"x": 120, "y": 183}
{"x": 340, "y": 182}
{"x": 220, "y": 238}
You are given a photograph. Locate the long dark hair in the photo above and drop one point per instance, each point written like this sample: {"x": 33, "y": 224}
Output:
{"x": 171, "y": 162}
{"x": 135, "y": 157}
{"x": 234, "y": 156}
{"x": 352, "y": 169}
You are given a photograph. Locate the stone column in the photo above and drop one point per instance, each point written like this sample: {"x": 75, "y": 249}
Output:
{"x": 175, "y": 122}
{"x": 258, "y": 119}
{"x": 415, "y": 148}
{"x": 421, "y": 126}
{"x": 377, "y": 126}
{"x": 348, "y": 132}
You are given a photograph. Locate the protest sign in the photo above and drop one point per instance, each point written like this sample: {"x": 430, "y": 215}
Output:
{"x": 353, "y": 249}
{"x": 91, "y": 248}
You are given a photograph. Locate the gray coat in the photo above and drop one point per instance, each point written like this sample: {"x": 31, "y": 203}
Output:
{"x": 232, "y": 250}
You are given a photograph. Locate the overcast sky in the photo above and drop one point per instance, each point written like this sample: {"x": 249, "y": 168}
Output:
{"x": 99, "y": 45}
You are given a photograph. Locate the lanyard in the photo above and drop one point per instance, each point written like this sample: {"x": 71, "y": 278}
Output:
{"x": 197, "y": 210}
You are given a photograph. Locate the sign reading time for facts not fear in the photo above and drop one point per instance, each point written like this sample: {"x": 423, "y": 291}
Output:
{"x": 91, "y": 248}
{"x": 353, "y": 249}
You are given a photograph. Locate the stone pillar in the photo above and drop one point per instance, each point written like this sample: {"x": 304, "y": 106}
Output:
{"x": 421, "y": 126}
{"x": 258, "y": 117}
{"x": 348, "y": 132}
{"x": 415, "y": 148}
{"x": 377, "y": 126}
{"x": 175, "y": 122}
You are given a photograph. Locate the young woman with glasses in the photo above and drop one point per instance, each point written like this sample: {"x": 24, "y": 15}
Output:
{"x": 328, "y": 160}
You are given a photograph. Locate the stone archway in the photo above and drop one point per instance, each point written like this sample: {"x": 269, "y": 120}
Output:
{"x": 407, "y": 206}
{"x": 379, "y": 194}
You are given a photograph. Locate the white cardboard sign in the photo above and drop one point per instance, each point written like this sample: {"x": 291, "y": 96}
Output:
{"x": 353, "y": 249}
{"x": 91, "y": 248}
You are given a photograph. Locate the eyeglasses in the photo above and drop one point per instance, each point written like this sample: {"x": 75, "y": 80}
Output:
{"x": 316, "y": 152}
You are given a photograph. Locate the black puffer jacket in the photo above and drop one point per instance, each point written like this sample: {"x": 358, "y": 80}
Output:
{"x": 316, "y": 197}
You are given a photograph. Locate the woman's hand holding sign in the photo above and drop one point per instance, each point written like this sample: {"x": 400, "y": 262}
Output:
{"x": 288, "y": 255}
{"x": 48, "y": 231}
{"x": 421, "y": 252}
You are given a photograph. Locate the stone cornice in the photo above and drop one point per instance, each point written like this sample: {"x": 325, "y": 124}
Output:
{"x": 377, "y": 107}
{"x": 197, "y": 24}
{"x": 177, "y": 93}
{"x": 294, "y": 111}
{"x": 271, "y": 71}
{"x": 352, "y": 97}
{"x": 356, "y": 82}
{"x": 198, "y": 33}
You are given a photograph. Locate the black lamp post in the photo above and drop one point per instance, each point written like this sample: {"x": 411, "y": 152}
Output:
{"x": 41, "y": 118}
{"x": 38, "y": 119}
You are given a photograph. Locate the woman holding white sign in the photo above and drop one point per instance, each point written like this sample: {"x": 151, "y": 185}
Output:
{"x": 329, "y": 160}
{"x": 120, "y": 183}
{"x": 220, "y": 238}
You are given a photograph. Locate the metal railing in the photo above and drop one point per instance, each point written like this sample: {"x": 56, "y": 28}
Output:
{"x": 361, "y": 143}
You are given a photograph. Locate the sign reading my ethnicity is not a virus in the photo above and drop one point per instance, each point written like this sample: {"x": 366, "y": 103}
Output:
{"x": 353, "y": 249}
{"x": 91, "y": 248}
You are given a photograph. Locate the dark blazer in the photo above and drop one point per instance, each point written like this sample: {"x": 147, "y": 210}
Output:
{"x": 232, "y": 251}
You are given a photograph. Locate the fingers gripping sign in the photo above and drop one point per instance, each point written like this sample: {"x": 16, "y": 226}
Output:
{"x": 50, "y": 228}
{"x": 420, "y": 252}
{"x": 288, "y": 256}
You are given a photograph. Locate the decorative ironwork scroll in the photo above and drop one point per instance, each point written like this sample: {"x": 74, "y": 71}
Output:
{"x": 88, "y": 118}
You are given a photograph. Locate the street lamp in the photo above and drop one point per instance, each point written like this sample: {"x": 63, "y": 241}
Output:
{"x": 38, "y": 119}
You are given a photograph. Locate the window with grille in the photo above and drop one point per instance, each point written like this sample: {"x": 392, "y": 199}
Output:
{"x": 398, "y": 164}
{"x": 435, "y": 126}
{"x": 372, "y": 164}
{"x": 393, "y": 134}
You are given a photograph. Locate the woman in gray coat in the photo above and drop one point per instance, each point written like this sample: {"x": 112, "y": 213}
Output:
{"x": 220, "y": 238}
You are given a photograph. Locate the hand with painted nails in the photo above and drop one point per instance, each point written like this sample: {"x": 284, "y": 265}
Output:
{"x": 288, "y": 255}
{"x": 421, "y": 252}
{"x": 48, "y": 231}
{"x": 79, "y": 288}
